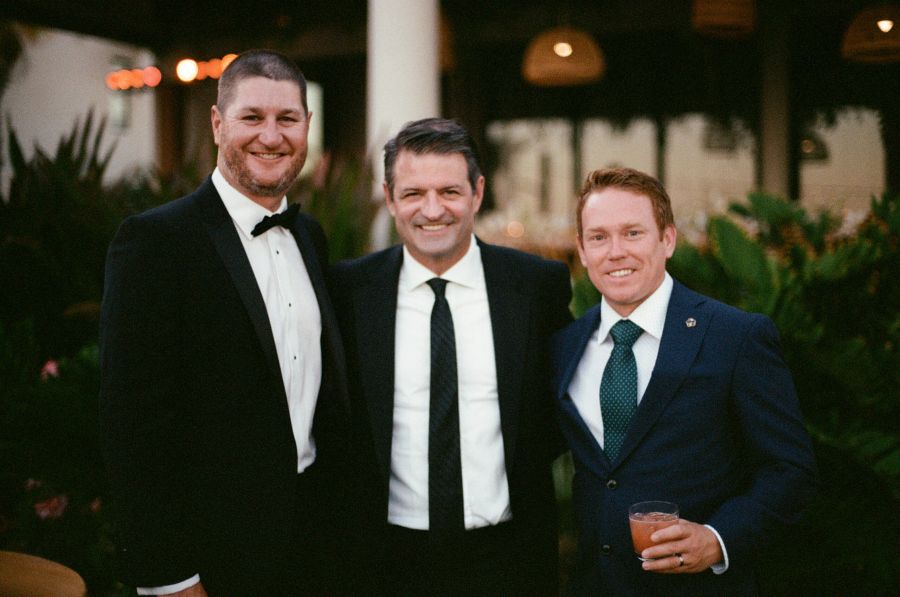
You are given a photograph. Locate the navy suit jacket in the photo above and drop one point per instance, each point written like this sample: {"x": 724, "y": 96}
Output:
{"x": 718, "y": 431}
{"x": 528, "y": 300}
{"x": 196, "y": 432}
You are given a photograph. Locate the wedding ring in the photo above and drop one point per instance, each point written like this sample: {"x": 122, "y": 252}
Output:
{"x": 680, "y": 560}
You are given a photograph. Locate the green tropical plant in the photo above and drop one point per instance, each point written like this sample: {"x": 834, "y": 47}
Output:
{"x": 339, "y": 196}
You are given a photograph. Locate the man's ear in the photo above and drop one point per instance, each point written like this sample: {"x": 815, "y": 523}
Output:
{"x": 216, "y": 119}
{"x": 388, "y": 201}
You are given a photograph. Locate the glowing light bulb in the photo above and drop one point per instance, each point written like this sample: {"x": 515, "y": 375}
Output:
{"x": 562, "y": 49}
{"x": 186, "y": 70}
{"x": 227, "y": 59}
{"x": 885, "y": 25}
{"x": 515, "y": 229}
{"x": 152, "y": 76}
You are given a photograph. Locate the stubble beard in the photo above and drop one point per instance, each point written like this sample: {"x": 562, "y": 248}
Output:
{"x": 236, "y": 164}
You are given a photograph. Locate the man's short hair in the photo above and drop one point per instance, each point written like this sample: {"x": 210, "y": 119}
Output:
{"x": 432, "y": 135}
{"x": 632, "y": 180}
{"x": 258, "y": 63}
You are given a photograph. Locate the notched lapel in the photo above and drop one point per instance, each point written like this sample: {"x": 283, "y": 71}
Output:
{"x": 375, "y": 313}
{"x": 510, "y": 304}
{"x": 678, "y": 349}
{"x": 582, "y": 442}
{"x": 225, "y": 238}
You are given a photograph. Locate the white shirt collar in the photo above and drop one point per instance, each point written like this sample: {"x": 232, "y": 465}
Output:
{"x": 650, "y": 314}
{"x": 466, "y": 272}
{"x": 245, "y": 212}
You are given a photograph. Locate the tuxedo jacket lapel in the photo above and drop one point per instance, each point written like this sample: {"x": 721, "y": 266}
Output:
{"x": 677, "y": 350}
{"x": 225, "y": 238}
{"x": 584, "y": 444}
{"x": 510, "y": 307}
{"x": 333, "y": 350}
{"x": 375, "y": 314}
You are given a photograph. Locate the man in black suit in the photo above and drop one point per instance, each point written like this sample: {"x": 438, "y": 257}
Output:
{"x": 223, "y": 397}
{"x": 666, "y": 394}
{"x": 446, "y": 340}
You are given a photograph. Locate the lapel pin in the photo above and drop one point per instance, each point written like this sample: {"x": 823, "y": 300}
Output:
{"x": 690, "y": 322}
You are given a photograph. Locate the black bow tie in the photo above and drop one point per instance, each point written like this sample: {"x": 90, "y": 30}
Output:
{"x": 284, "y": 219}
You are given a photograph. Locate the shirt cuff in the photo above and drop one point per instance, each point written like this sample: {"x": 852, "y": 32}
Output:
{"x": 719, "y": 567}
{"x": 169, "y": 589}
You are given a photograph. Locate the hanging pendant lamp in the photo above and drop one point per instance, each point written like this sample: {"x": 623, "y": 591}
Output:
{"x": 726, "y": 19}
{"x": 873, "y": 35}
{"x": 563, "y": 56}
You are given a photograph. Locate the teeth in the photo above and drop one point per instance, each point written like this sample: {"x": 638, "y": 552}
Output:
{"x": 431, "y": 227}
{"x": 267, "y": 156}
{"x": 620, "y": 273}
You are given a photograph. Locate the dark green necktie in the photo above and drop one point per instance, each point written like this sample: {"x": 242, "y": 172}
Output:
{"x": 618, "y": 389}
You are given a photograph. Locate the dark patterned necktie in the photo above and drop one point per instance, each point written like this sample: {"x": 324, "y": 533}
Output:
{"x": 618, "y": 389}
{"x": 284, "y": 219}
{"x": 445, "y": 493}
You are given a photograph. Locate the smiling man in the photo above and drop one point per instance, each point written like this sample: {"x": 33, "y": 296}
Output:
{"x": 446, "y": 340}
{"x": 223, "y": 397}
{"x": 668, "y": 395}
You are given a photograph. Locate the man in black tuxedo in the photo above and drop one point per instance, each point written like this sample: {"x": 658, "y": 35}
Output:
{"x": 446, "y": 340}
{"x": 223, "y": 398}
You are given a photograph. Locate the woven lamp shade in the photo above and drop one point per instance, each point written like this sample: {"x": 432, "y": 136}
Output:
{"x": 727, "y": 19}
{"x": 562, "y": 57}
{"x": 865, "y": 41}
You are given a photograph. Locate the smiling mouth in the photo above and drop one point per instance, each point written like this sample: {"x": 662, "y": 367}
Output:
{"x": 433, "y": 227}
{"x": 621, "y": 273}
{"x": 268, "y": 156}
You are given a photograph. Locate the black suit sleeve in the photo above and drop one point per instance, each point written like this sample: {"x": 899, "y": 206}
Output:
{"x": 142, "y": 397}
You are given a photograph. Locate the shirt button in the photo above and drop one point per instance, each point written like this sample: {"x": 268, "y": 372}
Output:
{"x": 605, "y": 550}
{"x": 277, "y": 252}
{"x": 612, "y": 484}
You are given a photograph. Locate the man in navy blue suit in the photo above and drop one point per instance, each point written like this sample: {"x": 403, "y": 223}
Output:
{"x": 666, "y": 394}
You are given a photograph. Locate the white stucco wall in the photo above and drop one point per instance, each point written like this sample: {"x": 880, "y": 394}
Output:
{"x": 58, "y": 78}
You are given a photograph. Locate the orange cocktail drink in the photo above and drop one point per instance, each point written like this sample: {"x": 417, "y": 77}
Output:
{"x": 645, "y": 518}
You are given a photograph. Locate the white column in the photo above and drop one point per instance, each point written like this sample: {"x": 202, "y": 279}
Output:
{"x": 775, "y": 118}
{"x": 403, "y": 78}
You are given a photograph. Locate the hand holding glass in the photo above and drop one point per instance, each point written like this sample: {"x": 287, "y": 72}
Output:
{"x": 646, "y": 518}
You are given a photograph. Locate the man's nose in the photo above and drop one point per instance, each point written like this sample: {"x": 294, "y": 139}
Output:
{"x": 616, "y": 246}
{"x": 432, "y": 207}
{"x": 270, "y": 136}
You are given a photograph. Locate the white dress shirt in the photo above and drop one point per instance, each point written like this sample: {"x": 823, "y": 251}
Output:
{"x": 293, "y": 315}
{"x": 584, "y": 389}
{"x": 485, "y": 485}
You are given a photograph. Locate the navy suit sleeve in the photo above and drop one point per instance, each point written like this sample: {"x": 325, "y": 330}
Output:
{"x": 141, "y": 397}
{"x": 775, "y": 446}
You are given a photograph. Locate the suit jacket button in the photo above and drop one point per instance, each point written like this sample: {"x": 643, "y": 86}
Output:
{"x": 611, "y": 484}
{"x": 605, "y": 550}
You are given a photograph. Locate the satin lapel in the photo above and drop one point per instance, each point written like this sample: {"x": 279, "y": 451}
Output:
{"x": 510, "y": 307}
{"x": 375, "y": 314}
{"x": 582, "y": 442}
{"x": 677, "y": 350}
{"x": 225, "y": 238}
{"x": 330, "y": 330}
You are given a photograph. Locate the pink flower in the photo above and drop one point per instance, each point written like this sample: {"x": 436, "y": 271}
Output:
{"x": 54, "y": 507}
{"x": 50, "y": 369}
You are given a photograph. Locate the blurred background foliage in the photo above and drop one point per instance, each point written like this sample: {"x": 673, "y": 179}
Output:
{"x": 829, "y": 284}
